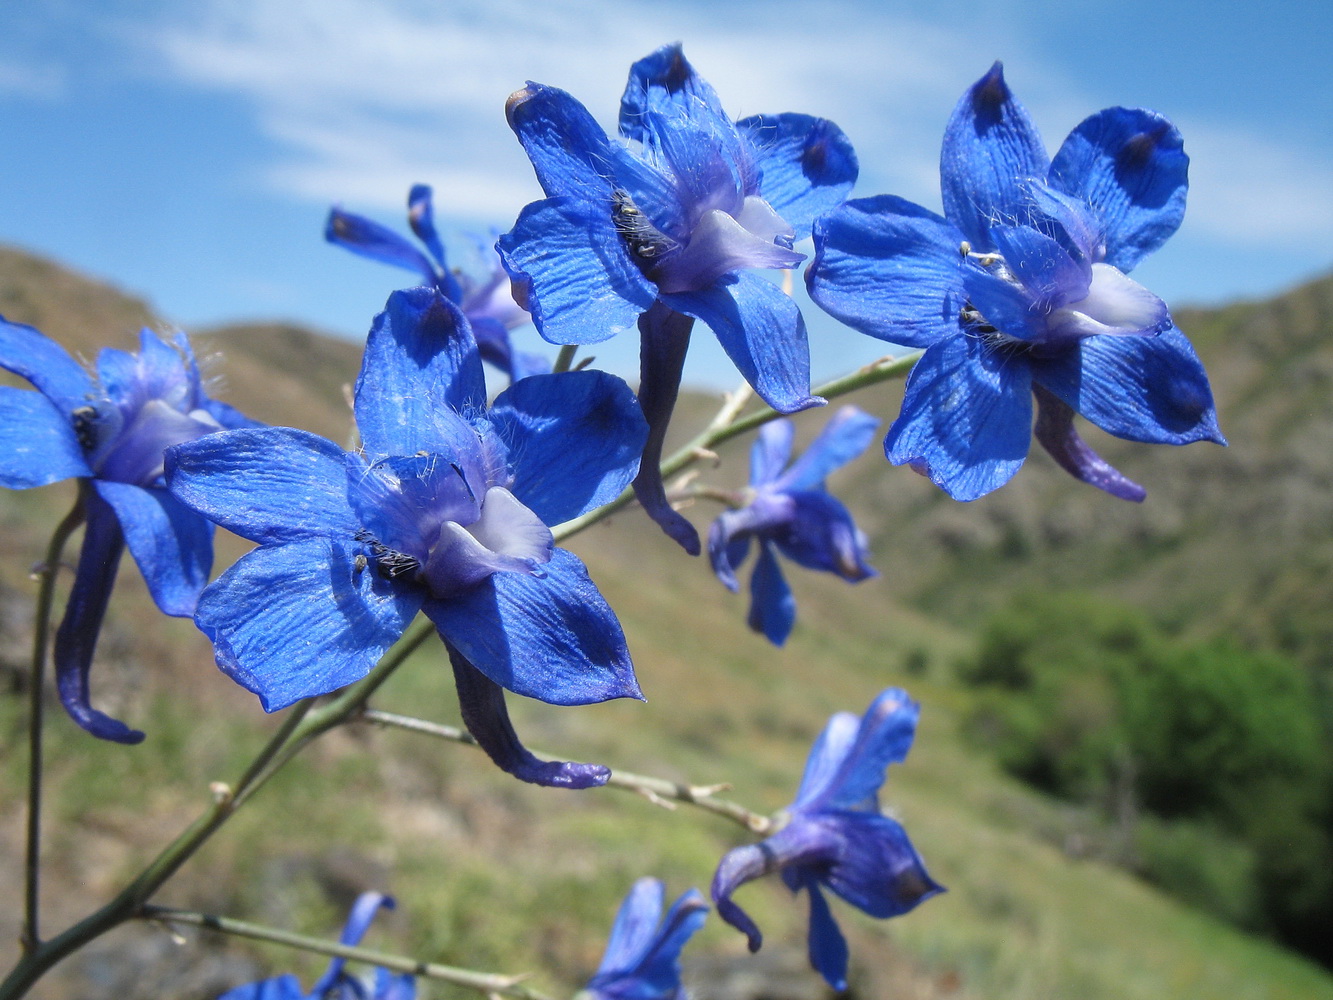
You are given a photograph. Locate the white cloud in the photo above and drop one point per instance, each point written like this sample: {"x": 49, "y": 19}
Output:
{"x": 46, "y": 83}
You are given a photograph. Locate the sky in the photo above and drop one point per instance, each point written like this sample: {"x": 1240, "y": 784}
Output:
{"x": 188, "y": 154}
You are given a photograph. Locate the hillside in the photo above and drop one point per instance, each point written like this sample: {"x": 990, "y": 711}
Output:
{"x": 494, "y": 875}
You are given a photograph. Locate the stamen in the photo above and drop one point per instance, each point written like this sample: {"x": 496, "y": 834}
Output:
{"x": 644, "y": 240}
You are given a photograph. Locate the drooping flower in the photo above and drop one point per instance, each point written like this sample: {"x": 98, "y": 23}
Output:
{"x": 488, "y": 305}
{"x": 836, "y": 837}
{"x": 444, "y": 510}
{"x": 1021, "y": 289}
{"x": 337, "y": 983}
{"x": 110, "y": 429}
{"x": 787, "y": 510}
{"x": 642, "y": 959}
{"x": 668, "y": 227}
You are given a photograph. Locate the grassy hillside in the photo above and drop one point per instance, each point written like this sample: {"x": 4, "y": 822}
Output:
{"x": 497, "y": 875}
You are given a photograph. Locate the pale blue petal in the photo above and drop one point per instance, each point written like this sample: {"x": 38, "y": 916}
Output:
{"x": 37, "y": 441}
{"x": 826, "y": 759}
{"x": 991, "y": 150}
{"x": 771, "y": 451}
{"x": 576, "y": 438}
{"x": 846, "y": 435}
{"x": 890, "y": 269}
{"x": 172, "y": 545}
{"x": 1129, "y": 165}
{"x": 268, "y": 484}
{"x": 301, "y": 619}
{"x": 552, "y": 638}
{"x": 966, "y": 420}
{"x": 635, "y": 926}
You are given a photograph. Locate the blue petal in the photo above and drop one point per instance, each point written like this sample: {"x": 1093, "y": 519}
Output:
{"x": 358, "y": 922}
{"x": 301, "y": 619}
{"x": 807, "y": 165}
{"x": 652, "y": 971}
{"x": 568, "y": 149}
{"x": 890, "y": 269}
{"x": 826, "y": 759}
{"x": 1050, "y": 275}
{"x": 991, "y": 150}
{"x": 828, "y": 948}
{"x": 576, "y": 438}
{"x": 821, "y": 535}
{"x": 551, "y": 638}
{"x": 772, "y": 606}
{"x": 37, "y": 441}
{"x": 664, "y": 83}
{"x": 572, "y": 272}
{"x": 171, "y": 543}
{"x": 729, "y": 535}
{"x": 421, "y": 370}
{"x": 285, "y": 987}
{"x": 228, "y": 416}
{"x": 761, "y": 329}
{"x": 704, "y": 156}
{"x": 269, "y": 484}
{"x": 1130, "y": 166}
{"x": 635, "y": 926}
{"x": 39, "y": 359}
{"x": 847, "y": 434}
{"x": 966, "y": 420}
{"x": 875, "y": 867}
{"x": 664, "y": 339}
{"x": 76, "y": 638}
{"x": 482, "y": 704}
{"x": 771, "y": 451}
{"x": 1055, "y": 432}
{"x": 370, "y": 239}
{"x": 394, "y": 985}
{"x": 741, "y": 865}
{"x": 1151, "y": 389}
{"x": 883, "y": 737}
{"x": 421, "y": 217}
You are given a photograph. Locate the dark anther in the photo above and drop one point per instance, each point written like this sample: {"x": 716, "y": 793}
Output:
{"x": 85, "y": 426}
{"x": 644, "y": 240}
{"x": 390, "y": 563}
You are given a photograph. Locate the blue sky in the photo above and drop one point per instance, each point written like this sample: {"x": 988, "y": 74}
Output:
{"x": 189, "y": 153}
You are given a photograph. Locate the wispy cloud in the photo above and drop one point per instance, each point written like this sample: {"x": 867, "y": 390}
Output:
{"x": 45, "y": 83}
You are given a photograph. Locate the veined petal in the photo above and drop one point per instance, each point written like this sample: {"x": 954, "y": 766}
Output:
{"x": 635, "y": 926}
{"x": 421, "y": 370}
{"x": 771, "y": 451}
{"x": 572, "y": 271}
{"x": 991, "y": 149}
{"x": 76, "y": 638}
{"x": 702, "y": 154}
{"x": 37, "y": 441}
{"x": 762, "y": 331}
{"x": 295, "y": 620}
{"x": 576, "y": 438}
{"x": 171, "y": 543}
{"x": 269, "y": 484}
{"x": 1046, "y": 270}
{"x": 772, "y": 607}
{"x": 847, "y": 434}
{"x": 966, "y": 420}
{"x": 821, "y": 535}
{"x": 883, "y": 737}
{"x": 554, "y": 638}
{"x": 1055, "y": 432}
{"x": 719, "y": 245}
{"x": 807, "y": 165}
{"x": 664, "y": 83}
{"x": 369, "y": 239}
{"x": 34, "y": 356}
{"x": 568, "y": 149}
{"x": 828, "y": 948}
{"x": 1151, "y": 389}
{"x": 890, "y": 269}
{"x": 874, "y": 866}
{"x": 482, "y": 704}
{"x": 1130, "y": 166}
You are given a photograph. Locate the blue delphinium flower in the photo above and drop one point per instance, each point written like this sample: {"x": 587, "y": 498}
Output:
{"x": 444, "y": 510}
{"x": 336, "y": 983}
{"x": 488, "y": 305}
{"x": 668, "y": 228}
{"x": 1021, "y": 289}
{"x": 642, "y": 959}
{"x": 110, "y": 429}
{"x": 787, "y": 510}
{"x": 836, "y": 837}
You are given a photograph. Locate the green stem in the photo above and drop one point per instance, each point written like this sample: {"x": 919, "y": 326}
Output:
{"x": 31, "y": 934}
{"x": 298, "y": 730}
{"x": 727, "y": 426}
{"x": 565, "y": 358}
{"x": 484, "y": 982}
{"x": 656, "y": 790}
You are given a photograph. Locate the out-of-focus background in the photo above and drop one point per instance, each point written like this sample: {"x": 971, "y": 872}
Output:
{"x": 1124, "y": 773}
